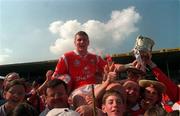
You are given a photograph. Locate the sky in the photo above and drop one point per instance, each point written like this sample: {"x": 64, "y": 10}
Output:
{"x": 41, "y": 30}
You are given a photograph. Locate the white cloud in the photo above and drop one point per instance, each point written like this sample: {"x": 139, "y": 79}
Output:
{"x": 5, "y": 54}
{"x": 61, "y": 45}
{"x": 55, "y": 26}
{"x": 103, "y": 35}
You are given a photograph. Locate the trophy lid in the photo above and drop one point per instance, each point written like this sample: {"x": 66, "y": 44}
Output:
{"x": 144, "y": 43}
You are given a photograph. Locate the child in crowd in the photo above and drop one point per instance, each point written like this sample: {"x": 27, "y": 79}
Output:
{"x": 14, "y": 93}
{"x": 113, "y": 103}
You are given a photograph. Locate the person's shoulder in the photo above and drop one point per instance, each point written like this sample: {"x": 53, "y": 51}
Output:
{"x": 69, "y": 53}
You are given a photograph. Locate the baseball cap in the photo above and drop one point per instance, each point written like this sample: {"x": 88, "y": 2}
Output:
{"x": 62, "y": 112}
{"x": 160, "y": 87}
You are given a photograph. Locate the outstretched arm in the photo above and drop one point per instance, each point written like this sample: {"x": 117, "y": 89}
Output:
{"x": 172, "y": 89}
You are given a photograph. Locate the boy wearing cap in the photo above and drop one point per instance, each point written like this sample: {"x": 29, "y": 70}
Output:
{"x": 173, "y": 90}
{"x": 152, "y": 94}
{"x": 172, "y": 93}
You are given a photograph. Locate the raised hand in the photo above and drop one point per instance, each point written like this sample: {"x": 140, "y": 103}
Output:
{"x": 110, "y": 72}
{"x": 49, "y": 74}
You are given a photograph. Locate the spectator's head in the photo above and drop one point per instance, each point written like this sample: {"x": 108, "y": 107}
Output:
{"x": 113, "y": 103}
{"x": 153, "y": 90}
{"x": 117, "y": 87}
{"x": 24, "y": 109}
{"x": 14, "y": 92}
{"x": 135, "y": 74}
{"x": 56, "y": 94}
{"x": 132, "y": 89}
{"x": 9, "y": 77}
{"x": 155, "y": 111}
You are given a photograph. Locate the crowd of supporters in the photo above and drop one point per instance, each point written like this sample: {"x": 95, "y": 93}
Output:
{"x": 84, "y": 84}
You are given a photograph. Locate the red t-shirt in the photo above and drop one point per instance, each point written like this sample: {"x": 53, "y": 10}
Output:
{"x": 82, "y": 70}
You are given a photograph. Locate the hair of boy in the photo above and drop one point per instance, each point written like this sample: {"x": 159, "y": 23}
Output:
{"x": 112, "y": 93}
{"x": 16, "y": 82}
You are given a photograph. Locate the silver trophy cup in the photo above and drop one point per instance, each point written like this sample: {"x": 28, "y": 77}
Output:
{"x": 143, "y": 46}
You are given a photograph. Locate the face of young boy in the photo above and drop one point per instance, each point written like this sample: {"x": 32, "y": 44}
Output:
{"x": 151, "y": 95}
{"x": 113, "y": 106}
{"x": 15, "y": 94}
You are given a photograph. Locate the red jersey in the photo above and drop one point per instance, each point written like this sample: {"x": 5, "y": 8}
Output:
{"x": 172, "y": 92}
{"x": 82, "y": 70}
{"x": 172, "y": 89}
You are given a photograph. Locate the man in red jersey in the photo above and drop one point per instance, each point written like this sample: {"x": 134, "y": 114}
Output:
{"x": 79, "y": 64}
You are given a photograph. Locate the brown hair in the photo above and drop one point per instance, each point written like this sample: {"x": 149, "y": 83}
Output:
{"x": 24, "y": 109}
{"x": 112, "y": 92}
{"x": 155, "y": 111}
{"x": 12, "y": 73}
{"x": 82, "y": 33}
{"x": 54, "y": 83}
{"x": 16, "y": 82}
